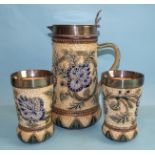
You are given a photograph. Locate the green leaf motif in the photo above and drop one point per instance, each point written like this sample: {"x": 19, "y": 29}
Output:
{"x": 114, "y": 106}
{"x": 62, "y": 72}
{"x": 70, "y": 57}
{"x": 76, "y": 125}
{"x": 49, "y": 93}
{"x": 115, "y": 119}
{"x": 47, "y": 116}
{"x": 127, "y": 100}
{"x": 63, "y": 96}
{"x": 120, "y": 118}
{"x": 95, "y": 99}
{"x": 77, "y": 105}
{"x": 123, "y": 138}
{"x": 32, "y": 124}
{"x": 58, "y": 122}
{"x": 109, "y": 135}
{"x": 86, "y": 92}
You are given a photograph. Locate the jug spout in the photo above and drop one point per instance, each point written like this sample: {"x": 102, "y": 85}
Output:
{"x": 50, "y": 27}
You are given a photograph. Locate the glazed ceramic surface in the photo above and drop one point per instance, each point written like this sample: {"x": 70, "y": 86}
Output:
{"x": 120, "y": 109}
{"x": 75, "y": 98}
{"x": 34, "y": 113}
{"x": 75, "y": 92}
{"x": 33, "y": 107}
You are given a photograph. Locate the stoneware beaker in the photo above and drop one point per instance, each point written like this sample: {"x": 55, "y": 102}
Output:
{"x": 33, "y": 98}
{"x": 122, "y": 91}
{"x": 75, "y": 96}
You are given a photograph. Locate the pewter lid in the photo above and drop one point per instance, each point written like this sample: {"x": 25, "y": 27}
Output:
{"x": 31, "y": 78}
{"x": 122, "y": 79}
{"x": 74, "y": 30}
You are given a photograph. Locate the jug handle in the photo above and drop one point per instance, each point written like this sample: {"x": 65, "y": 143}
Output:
{"x": 116, "y": 61}
{"x": 116, "y": 52}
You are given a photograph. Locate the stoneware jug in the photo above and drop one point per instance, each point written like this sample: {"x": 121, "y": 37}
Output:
{"x": 75, "y": 98}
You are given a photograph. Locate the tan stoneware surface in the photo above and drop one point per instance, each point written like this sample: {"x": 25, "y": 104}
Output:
{"x": 34, "y": 113}
{"x": 75, "y": 104}
{"x": 120, "y": 108}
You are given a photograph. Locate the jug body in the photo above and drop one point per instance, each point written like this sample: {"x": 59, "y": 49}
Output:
{"x": 75, "y": 98}
{"x": 75, "y": 68}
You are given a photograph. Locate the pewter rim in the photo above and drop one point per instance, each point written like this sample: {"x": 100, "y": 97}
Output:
{"x": 86, "y": 31}
{"x": 31, "y": 78}
{"x": 122, "y": 79}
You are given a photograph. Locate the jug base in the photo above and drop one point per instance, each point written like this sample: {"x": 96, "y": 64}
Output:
{"x": 79, "y": 120}
{"x": 120, "y": 135}
{"x": 35, "y": 136}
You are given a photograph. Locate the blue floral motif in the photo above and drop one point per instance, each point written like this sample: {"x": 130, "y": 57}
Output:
{"x": 79, "y": 77}
{"x": 31, "y": 109}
